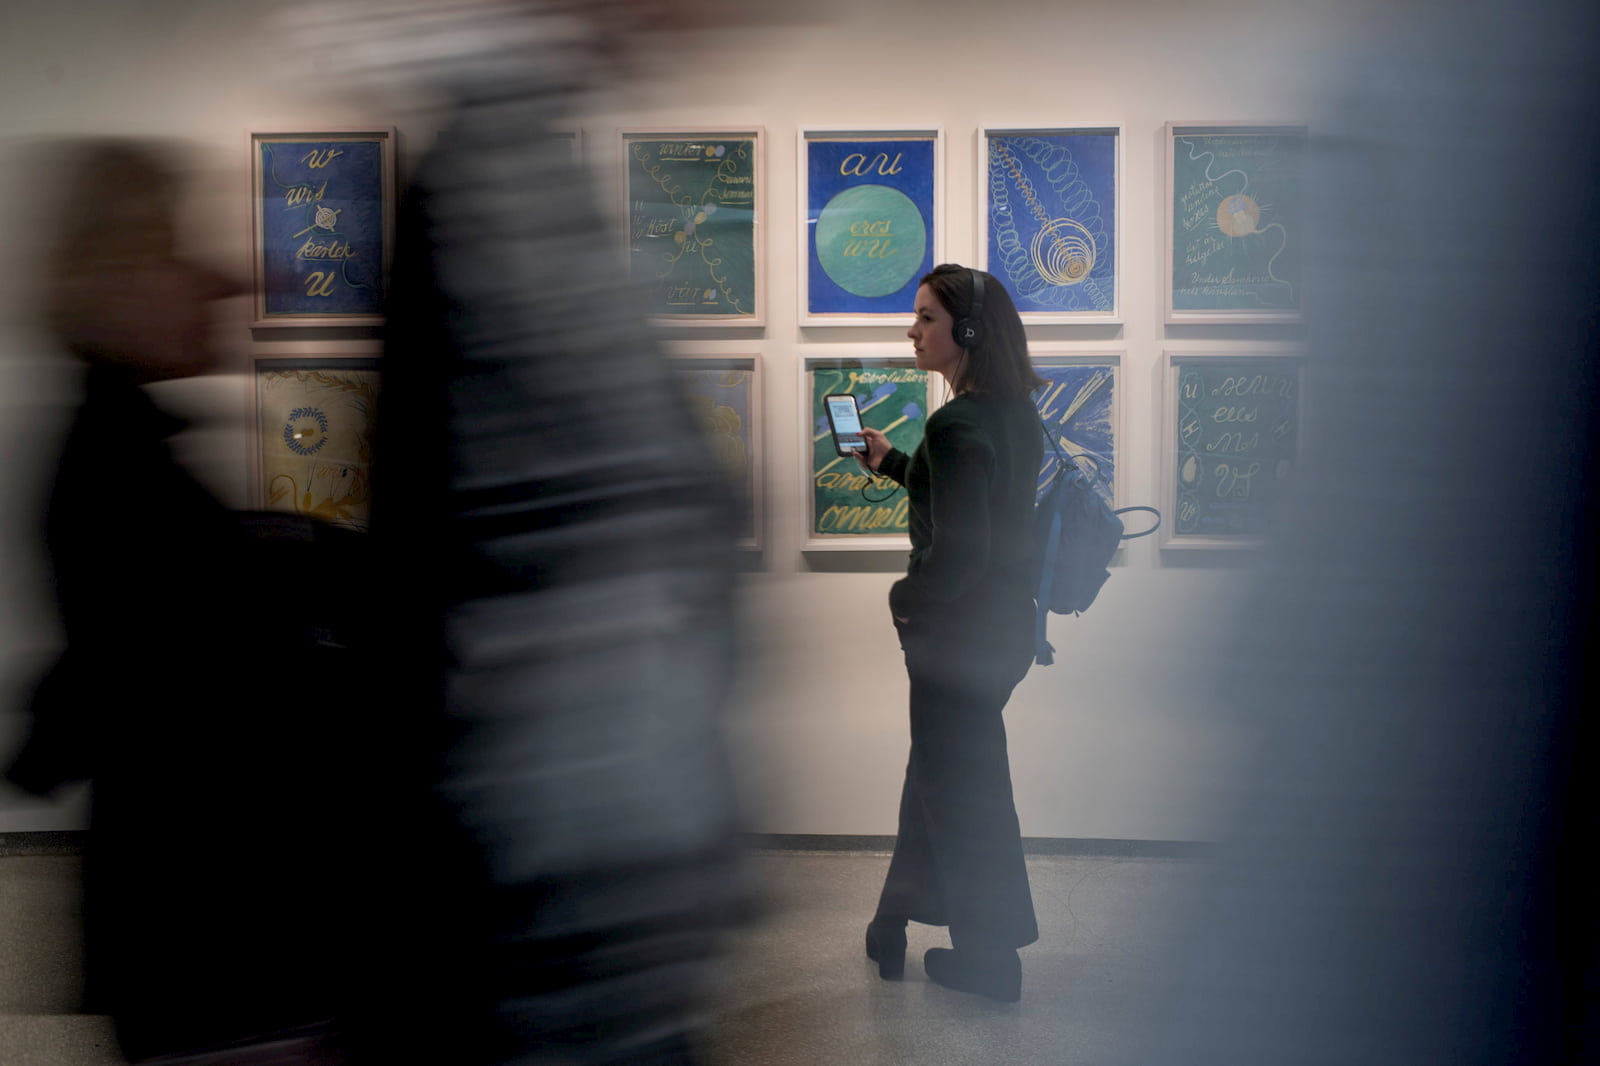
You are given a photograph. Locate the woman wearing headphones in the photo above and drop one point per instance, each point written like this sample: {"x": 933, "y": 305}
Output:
{"x": 964, "y": 612}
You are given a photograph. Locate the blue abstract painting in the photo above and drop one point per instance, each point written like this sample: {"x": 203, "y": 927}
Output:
{"x": 1051, "y": 201}
{"x": 869, "y": 223}
{"x": 321, "y": 208}
{"x": 1078, "y": 405}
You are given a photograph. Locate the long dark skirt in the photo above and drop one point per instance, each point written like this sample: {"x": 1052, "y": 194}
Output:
{"x": 958, "y": 854}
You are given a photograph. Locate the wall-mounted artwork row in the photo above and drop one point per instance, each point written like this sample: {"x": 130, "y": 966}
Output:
{"x": 870, "y": 222}
{"x": 313, "y": 437}
{"x": 693, "y": 210}
{"x": 1235, "y": 222}
{"x": 850, "y": 509}
{"x": 1048, "y": 219}
{"x": 324, "y": 219}
{"x": 1232, "y": 430}
{"x": 724, "y": 394}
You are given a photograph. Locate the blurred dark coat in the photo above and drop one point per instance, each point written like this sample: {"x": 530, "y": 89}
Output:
{"x": 202, "y": 693}
{"x": 561, "y": 545}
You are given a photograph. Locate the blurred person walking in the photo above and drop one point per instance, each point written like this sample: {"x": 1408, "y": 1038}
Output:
{"x": 209, "y": 719}
{"x": 1408, "y": 875}
{"x": 559, "y": 619}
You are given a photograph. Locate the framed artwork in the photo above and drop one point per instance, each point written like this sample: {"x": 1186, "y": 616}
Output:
{"x": 1235, "y": 221}
{"x": 871, "y": 223}
{"x": 323, "y": 226}
{"x": 1081, "y": 404}
{"x": 1231, "y": 443}
{"x": 313, "y": 437}
{"x": 1048, "y": 221}
{"x": 724, "y": 392}
{"x": 693, "y": 211}
{"x": 848, "y": 508}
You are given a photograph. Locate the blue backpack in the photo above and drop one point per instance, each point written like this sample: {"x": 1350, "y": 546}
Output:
{"x": 1075, "y": 534}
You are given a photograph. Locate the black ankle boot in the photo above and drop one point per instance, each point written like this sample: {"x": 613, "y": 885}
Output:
{"x": 996, "y": 974}
{"x": 886, "y": 946}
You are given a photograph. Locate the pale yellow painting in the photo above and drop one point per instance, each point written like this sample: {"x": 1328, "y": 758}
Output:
{"x": 316, "y": 441}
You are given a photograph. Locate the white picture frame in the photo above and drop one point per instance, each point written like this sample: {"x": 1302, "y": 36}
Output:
{"x": 312, "y": 421}
{"x": 1233, "y": 427}
{"x": 1234, "y": 218}
{"x": 877, "y": 224}
{"x": 1085, "y": 400}
{"x": 693, "y": 208}
{"x": 725, "y": 394}
{"x": 322, "y": 226}
{"x": 895, "y": 397}
{"x": 1049, "y": 219}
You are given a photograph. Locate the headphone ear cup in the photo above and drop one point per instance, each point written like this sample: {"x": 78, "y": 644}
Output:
{"x": 969, "y": 330}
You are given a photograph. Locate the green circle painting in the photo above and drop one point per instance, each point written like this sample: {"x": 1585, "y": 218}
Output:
{"x": 870, "y": 240}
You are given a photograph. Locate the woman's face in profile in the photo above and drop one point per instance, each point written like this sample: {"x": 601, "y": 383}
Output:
{"x": 932, "y": 335}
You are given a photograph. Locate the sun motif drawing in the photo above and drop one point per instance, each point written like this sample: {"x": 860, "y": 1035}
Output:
{"x": 1229, "y": 219}
{"x": 1238, "y": 215}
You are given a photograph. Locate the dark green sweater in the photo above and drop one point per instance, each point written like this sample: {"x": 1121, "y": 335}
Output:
{"x": 970, "y": 485}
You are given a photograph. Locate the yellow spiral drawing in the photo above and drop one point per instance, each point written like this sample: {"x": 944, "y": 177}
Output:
{"x": 1063, "y": 252}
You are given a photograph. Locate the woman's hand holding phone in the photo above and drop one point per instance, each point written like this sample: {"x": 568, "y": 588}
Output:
{"x": 878, "y": 446}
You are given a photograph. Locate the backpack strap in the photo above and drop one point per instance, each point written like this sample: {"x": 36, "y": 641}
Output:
{"x": 1120, "y": 511}
{"x": 1044, "y": 653}
{"x": 1096, "y": 475}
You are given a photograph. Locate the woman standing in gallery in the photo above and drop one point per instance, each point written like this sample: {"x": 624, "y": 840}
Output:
{"x": 964, "y": 612}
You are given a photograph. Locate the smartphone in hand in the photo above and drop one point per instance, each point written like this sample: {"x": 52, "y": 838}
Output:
{"x": 844, "y": 418}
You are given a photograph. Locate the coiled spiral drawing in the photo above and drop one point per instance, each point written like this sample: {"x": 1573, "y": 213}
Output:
{"x": 1066, "y": 265}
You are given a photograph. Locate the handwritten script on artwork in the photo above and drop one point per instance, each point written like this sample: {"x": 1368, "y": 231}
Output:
{"x": 691, "y": 225}
{"x": 893, "y": 400}
{"x": 869, "y": 222}
{"x": 1236, "y": 219}
{"x": 321, "y": 206}
{"x": 1238, "y": 434}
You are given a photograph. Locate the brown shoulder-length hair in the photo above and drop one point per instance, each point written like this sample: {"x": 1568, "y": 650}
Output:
{"x": 999, "y": 365}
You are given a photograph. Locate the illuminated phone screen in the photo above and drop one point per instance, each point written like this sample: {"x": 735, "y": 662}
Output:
{"x": 846, "y": 419}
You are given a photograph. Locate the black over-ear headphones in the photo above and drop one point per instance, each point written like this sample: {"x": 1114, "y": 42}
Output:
{"x": 969, "y": 331}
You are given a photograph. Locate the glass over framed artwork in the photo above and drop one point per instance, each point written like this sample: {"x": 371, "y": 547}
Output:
{"x": 323, "y": 226}
{"x": 850, "y": 509}
{"x": 1080, "y": 404}
{"x": 1231, "y": 441}
{"x": 871, "y": 222}
{"x": 1048, "y": 223}
{"x": 724, "y": 393}
{"x": 693, "y": 211}
{"x": 313, "y": 436}
{"x": 1235, "y": 222}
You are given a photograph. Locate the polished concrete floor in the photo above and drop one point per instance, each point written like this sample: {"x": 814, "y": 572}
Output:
{"x": 797, "y": 990}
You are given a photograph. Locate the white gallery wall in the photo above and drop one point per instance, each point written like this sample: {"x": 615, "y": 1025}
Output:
{"x": 1126, "y": 736}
